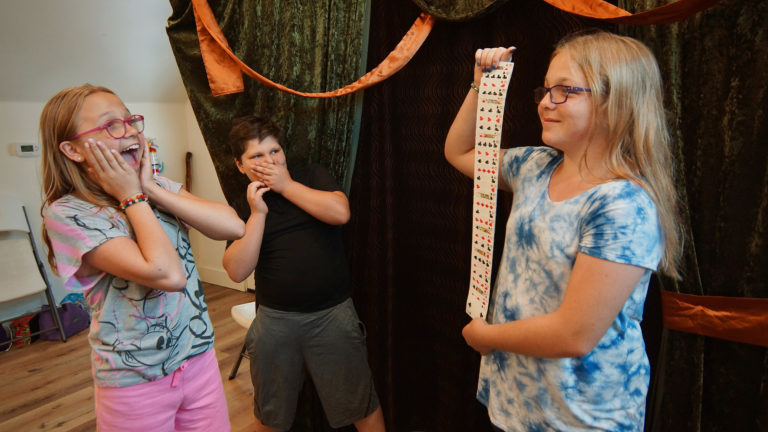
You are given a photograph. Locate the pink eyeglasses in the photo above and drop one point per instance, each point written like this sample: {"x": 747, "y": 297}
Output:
{"x": 116, "y": 127}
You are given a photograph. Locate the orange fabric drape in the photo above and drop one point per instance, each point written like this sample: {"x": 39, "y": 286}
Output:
{"x": 733, "y": 318}
{"x": 666, "y": 14}
{"x": 224, "y": 68}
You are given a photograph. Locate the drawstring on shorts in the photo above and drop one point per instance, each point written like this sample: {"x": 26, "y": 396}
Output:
{"x": 177, "y": 374}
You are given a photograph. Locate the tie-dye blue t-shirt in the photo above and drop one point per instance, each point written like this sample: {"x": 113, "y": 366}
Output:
{"x": 138, "y": 334}
{"x": 616, "y": 221}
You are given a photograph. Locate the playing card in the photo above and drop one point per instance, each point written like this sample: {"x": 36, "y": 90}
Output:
{"x": 490, "y": 116}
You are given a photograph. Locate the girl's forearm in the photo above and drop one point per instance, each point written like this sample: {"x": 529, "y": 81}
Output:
{"x": 215, "y": 220}
{"x": 460, "y": 141}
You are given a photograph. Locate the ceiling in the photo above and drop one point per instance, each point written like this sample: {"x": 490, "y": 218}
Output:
{"x": 47, "y": 45}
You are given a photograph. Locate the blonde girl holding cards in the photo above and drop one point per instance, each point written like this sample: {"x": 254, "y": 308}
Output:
{"x": 115, "y": 232}
{"x": 594, "y": 214}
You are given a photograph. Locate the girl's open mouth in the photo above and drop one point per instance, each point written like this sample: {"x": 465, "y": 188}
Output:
{"x": 131, "y": 155}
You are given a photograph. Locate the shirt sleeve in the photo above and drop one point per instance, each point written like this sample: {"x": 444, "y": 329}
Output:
{"x": 321, "y": 179}
{"x": 525, "y": 160}
{"x": 168, "y": 184}
{"x": 622, "y": 226}
{"x": 74, "y": 229}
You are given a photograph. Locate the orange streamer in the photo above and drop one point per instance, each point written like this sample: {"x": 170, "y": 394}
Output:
{"x": 733, "y": 318}
{"x": 669, "y": 13}
{"x": 223, "y": 68}
{"x": 589, "y": 8}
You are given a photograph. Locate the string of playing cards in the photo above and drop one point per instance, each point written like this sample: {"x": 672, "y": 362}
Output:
{"x": 490, "y": 116}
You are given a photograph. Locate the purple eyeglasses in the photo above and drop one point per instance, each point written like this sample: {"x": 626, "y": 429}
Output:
{"x": 558, "y": 94}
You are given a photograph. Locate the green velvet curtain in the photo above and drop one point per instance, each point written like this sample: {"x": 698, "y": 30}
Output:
{"x": 715, "y": 67}
{"x": 458, "y": 10}
{"x": 310, "y": 46}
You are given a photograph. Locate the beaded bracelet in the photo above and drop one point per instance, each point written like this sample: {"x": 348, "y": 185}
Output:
{"x": 474, "y": 87}
{"x": 133, "y": 199}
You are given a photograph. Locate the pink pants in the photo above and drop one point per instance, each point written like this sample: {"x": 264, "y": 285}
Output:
{"x": 189, "y": 399}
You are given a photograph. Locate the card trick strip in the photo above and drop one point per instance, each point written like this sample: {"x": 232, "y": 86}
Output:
{"x": 490, "y": 116}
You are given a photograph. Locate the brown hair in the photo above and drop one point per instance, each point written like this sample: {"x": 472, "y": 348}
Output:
{"x": 626, "y": 84}
{"x": 248, "y": 128}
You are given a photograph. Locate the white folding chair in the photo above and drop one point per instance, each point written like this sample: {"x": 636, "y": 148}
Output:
{"x": 243, "y": 314}
{"x": 21, "y": 271}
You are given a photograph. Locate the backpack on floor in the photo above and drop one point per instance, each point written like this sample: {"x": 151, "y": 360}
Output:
{"x": 74, "y": 319}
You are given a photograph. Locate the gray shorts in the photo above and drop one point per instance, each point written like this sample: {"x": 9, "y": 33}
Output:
{"x": 329, "y": 345}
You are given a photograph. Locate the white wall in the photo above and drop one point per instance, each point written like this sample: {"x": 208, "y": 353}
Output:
{"x": 174, "y": 129}
{"x": 19, "y": 177}
{"x": 205, "y": 184}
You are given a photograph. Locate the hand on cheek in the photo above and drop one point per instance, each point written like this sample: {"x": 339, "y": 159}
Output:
{"x": 107, "y": 168}
{"x": 145, "y": 166}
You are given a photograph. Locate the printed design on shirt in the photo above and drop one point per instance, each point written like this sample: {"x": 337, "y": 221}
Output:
{"x": 147, "y": 330}
{"x": 614, "y": 221}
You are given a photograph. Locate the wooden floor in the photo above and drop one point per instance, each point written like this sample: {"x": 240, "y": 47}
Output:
{"x": 47, "y": 386}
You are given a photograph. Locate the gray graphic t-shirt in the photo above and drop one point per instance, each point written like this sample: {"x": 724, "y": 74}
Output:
{"x": 138, "y": 334}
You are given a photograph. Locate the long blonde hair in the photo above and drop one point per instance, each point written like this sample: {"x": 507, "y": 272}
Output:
{"x": 61, "y": 175}
{"x": 626, "y": 86}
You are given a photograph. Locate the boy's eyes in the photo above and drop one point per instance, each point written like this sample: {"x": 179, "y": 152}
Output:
{"x": 259, "y": 155}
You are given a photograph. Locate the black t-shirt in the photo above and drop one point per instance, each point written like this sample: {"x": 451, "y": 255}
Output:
{"x": 302, "y": 266}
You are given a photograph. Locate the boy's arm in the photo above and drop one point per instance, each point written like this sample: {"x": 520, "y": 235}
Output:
{"x": 242, "y": 255}
{"x": 329, "y": 207}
